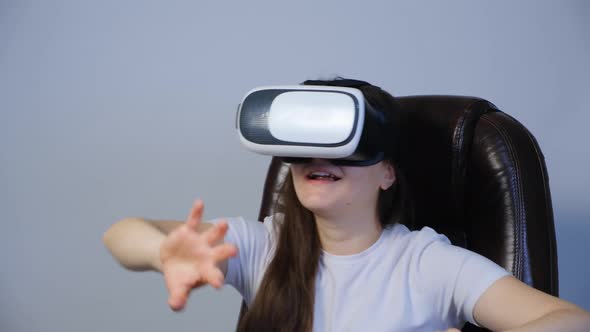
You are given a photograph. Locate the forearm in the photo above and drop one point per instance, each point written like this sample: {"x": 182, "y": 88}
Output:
{"x": 571, "y": 320}
{"x": 135, "y": 244}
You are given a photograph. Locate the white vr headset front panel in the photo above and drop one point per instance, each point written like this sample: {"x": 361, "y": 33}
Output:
{"x": 311, "y": 117}
{"x": 302, "y": 121}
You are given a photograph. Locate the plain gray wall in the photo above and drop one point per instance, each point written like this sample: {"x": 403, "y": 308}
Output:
{"x": 119, "y": 108}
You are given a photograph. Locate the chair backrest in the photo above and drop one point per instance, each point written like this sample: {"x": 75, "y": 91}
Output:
{"x": 478, "y": 176}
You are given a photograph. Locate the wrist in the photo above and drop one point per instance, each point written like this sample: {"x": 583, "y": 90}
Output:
{"x": 156, "y": 257}
{"x": 156, "y": 263}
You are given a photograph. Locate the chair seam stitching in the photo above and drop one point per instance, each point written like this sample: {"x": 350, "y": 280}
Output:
{"x": 519, "y": 202}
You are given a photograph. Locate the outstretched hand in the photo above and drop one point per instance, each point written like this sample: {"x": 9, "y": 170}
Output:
{"x": 189, "y": 258}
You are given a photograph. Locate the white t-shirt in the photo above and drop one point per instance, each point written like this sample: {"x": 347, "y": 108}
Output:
{"x": 406, "y": 281}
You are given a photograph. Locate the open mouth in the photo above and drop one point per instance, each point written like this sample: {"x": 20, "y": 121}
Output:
{"x": 324, "y": 176}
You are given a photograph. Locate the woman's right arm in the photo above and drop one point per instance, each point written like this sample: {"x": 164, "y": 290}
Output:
{"x": 135, "y": 242}
{"x": 190, "y": 254}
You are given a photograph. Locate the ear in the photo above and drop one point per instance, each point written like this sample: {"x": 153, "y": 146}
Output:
{"x": 388, "y": 176}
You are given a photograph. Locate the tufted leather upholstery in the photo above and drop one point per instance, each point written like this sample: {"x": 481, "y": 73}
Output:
{"x": 477, "y": 175}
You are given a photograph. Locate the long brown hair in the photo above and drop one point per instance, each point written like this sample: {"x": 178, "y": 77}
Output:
{"x": 285, "y": 298}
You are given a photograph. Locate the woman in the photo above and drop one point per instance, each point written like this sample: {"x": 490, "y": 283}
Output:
{"x": 336, "y": 257}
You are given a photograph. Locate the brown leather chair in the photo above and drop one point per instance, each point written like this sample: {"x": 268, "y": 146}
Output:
{"x": 478, "y": 176}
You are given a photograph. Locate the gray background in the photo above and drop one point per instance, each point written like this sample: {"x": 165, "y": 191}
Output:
{"x": 119, "y": 108}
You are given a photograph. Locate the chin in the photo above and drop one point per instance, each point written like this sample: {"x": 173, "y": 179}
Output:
{"x": 321, "y": 205}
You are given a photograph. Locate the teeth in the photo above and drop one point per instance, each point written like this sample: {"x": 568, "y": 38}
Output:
{"x": 323, "y": 175}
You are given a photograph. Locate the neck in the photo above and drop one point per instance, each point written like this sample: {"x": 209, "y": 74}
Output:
{"x": 348, "y": 234}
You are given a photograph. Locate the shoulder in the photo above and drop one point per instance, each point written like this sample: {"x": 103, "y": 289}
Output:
{"x": 415, "y": 252}
{"x": 253, "y": 240}
{"x": 434, "y": 250}
{"x": 447, "y": 269}
{"x": 416, "y": 240}
{"x": 427, "y": 252}
{"x": 242, "y": 230}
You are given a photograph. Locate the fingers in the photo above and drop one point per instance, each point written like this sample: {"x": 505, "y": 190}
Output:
{"x": 214, "y": 275}
{"x": 224, "y": 251}
{"x": 215, "y": 278}
{"x": 216, "y": 232}
{"x": 194, "y": 217}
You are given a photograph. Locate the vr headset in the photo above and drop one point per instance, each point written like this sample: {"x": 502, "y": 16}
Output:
{"x": 301, "y": 122}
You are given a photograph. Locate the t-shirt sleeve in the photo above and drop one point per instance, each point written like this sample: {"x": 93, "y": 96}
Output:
{"x": 244, "y": 271}
{"x": 456, "y": 276}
